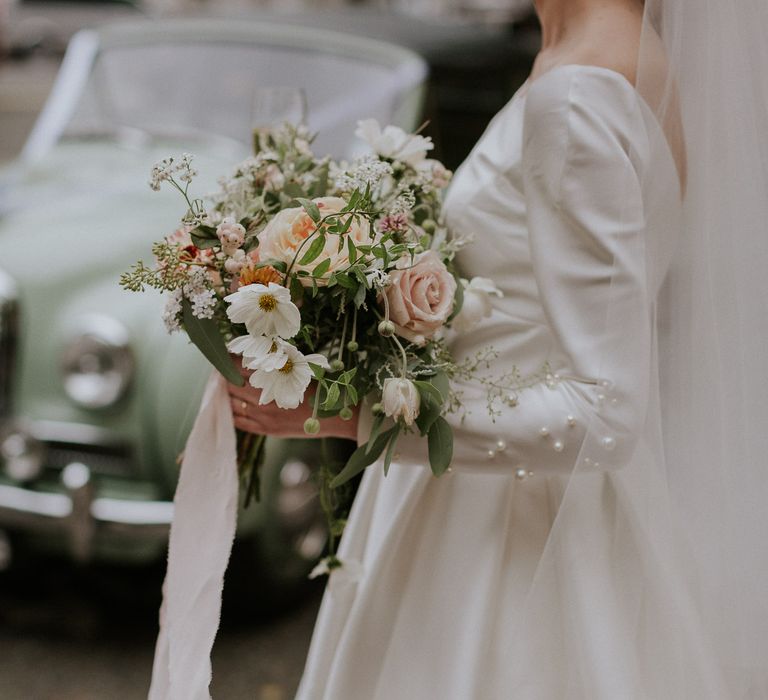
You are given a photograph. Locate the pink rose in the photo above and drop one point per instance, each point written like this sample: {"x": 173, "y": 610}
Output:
{"x": 420, "y": 297}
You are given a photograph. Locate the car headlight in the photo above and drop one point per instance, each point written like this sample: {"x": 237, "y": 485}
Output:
{"x": 97, "y": 365}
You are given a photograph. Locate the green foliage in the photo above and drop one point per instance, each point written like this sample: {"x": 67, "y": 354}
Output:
{"x": 440, "y": 440}
{"x": 204, "y": 334}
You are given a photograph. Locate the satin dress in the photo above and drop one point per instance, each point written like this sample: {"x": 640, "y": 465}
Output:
{"x": 433, "y": 605}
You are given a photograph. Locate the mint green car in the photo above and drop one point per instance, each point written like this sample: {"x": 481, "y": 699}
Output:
{"x": 96, "y": 399}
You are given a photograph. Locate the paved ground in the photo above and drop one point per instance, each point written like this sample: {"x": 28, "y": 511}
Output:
{"x": 69, "y": 634}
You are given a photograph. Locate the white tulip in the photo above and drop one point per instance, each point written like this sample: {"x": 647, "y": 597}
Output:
{"x": 477, "y": 303}
{"x": 265, "y": 310}
{"x": 400, "y": 399}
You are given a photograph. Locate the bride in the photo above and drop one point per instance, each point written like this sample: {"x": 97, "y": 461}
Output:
{"x": 600, "y": 539}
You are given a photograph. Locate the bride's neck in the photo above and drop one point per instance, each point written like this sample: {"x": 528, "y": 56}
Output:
{"x": 566, "y": 20}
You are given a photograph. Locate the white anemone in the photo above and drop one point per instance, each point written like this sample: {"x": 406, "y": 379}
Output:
{"x": 392, "y": 142}
{"x": 265, "y": 310}
{"x": 260, "y": 352}
{"x": 477, "y": 303}
{"x": 400, "y": 399}
{"x": 287, "y": 384}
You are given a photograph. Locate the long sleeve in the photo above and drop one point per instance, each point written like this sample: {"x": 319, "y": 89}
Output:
{"x": 582, "y": 158}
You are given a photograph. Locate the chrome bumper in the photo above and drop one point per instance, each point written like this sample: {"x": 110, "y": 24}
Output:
{"x": 82, "y": 515}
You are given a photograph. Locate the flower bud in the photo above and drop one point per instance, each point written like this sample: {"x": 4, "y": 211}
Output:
{"x": 429, "y": 225}
{"x": 345, "y": 413}
{"x": 337, "y": 365}
{"x": 352, "y": 346}
{"x": 401, "y": 399}
{"x": 311, "y": 426}
{"x": 387, "y": 329}
{"x": 377, "y": 409}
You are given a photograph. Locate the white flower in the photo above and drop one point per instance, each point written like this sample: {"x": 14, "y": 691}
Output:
{"x": 366, "y": 171}
{"x": 234, "y": 264}
{"x": 172, "y": 311}
{"x": 286, "y": 385}
{"x": 265, "y": 310}
{"x": 231, "y": 234}
{"x": 393, "y": 142}
{"x": 260, "y": 352}
{"x": 477, "y": 303}
{"x": 203, "y": 303}
{"x": 400, "y": 399}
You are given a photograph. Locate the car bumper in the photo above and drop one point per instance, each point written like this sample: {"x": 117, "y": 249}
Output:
{"x": 81, "y": 515}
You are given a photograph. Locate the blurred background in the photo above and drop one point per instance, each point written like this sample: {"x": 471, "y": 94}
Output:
{"x": 95, "y": 398}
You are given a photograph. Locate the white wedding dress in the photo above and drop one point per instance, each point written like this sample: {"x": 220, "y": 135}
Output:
{"x": 435, "y": 603}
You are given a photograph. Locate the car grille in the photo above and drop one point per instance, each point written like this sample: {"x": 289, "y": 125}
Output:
{"x": 107, "y": 461}
{"x": 9, "y": 328}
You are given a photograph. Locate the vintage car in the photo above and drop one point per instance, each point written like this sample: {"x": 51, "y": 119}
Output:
{"x": 96, "y": 399}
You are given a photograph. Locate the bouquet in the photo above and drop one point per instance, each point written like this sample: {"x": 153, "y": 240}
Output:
{"x": 334, "y": 282}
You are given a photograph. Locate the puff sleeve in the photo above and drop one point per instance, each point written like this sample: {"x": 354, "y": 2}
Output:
{"x": 583, "y": 151}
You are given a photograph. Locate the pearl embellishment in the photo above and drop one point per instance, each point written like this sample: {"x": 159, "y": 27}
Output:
{"x": 608, "y": 443}
{"x": 501, "y": 445}
{"x": 522, "y": 474}
{"x": 491, "y": 454}
{"x": 544, "y": 431}
{"x": 570, "y": 421}
{"x": 558, "y": 446}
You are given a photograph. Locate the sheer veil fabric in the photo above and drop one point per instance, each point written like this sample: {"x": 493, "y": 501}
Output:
{"x": 712, "y": 319}
{"x": 684, "y": 567}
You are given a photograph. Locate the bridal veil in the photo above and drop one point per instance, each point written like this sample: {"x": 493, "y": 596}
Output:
{"x": 683, "y": 566}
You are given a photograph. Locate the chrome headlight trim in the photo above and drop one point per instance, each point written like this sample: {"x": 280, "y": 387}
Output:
{"x": 97, "y": 364}
{"x": 9, "y": 330}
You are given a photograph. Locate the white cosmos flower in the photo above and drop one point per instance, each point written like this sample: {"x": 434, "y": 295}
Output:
{"x": 265, "y": 310}
{"x": 260, "y": 352}
{"x": 287, "y": 384}
{"x": 394, "y": 143}
{"x": 477, "y": 303}
{"x": 400, "y": 399}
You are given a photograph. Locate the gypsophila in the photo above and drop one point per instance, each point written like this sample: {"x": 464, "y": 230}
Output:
{"x": 172, "y": 311}
{"x": 404, "y": 202}
{"x": 365, "y": 172}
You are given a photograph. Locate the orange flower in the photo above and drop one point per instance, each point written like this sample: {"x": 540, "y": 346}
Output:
{"x": 260, "y": 275}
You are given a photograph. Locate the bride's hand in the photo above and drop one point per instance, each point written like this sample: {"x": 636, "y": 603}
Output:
{"x": 278, "y": 422}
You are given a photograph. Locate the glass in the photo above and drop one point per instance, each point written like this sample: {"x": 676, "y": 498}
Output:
{"x": 273, "y": 106}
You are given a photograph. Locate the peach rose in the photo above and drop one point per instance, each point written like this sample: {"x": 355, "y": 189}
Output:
{"x": 285, "y": 233}
{"x": 420, "y": 297}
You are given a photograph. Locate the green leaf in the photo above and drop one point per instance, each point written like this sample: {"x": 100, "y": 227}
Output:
{"x": 203, "y": 231}
{"x": 359, "y": 297}
{"x": 429, "y": 411}
{"x": 204, "y": 334}
{"x": 332, "y": 397}
{"x": 351, "y": 250}
{"x": 440, "y": 439}
{"x": 361, "y": 458}
{"x": 279, "y": 265}
{"x": 378, "y": 422}
{"x": 391, "y": 449}
{"x": 297, "y": 290}
{"x": 311, "y": 208}
{"x": 294, "y": 191}
{"x": 352, "y": 394}
{"x": 427, "y": 389}
{"x": 458, "y": 300}
{"x": 204, "y": 243}
{"x": 320, "y": 187}
{"x": 346, "y": 281}
{"x": 314, "y": 250}
{"x": 322, "y": 268}
{"x": 347, "y": 377}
